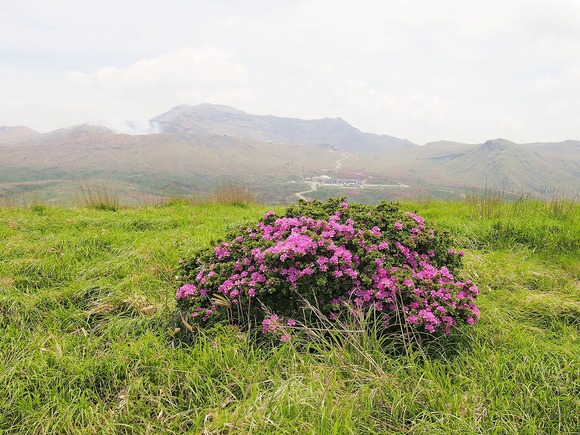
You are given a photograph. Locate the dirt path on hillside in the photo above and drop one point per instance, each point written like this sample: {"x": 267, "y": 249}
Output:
{"x": 339, "y": 165}
{"x": 346, "y": 156}
{"x": 300, "y": 195}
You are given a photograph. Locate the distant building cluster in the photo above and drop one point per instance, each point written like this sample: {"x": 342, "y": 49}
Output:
{"x": 325, "y": 180}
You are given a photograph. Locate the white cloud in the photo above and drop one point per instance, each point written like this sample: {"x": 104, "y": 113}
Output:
{"x": 146, "y": 87}
{"x": 195, "y": 68}
{"x": 558, "y": 96}
{"x": 424, "y": 70}
{"x": 379, "y": 112}
{"x": 564, "y": 83}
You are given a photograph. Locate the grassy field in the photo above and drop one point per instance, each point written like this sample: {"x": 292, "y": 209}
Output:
{"x": 88, "y": 334}
{"x": 145, "y": 189}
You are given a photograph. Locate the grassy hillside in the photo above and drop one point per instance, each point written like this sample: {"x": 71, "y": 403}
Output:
{"x": 88, "y": 346}
{"x": 200, "y": 148}
{"x": 496, "y": 163}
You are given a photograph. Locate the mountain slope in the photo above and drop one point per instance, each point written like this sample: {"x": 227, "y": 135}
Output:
{"x": 14, "y": 134}
{"x": 85, "y": 150}
{"x": 565, "y": 155}
{"x": 224, "y": 120}
{"x": 206, "y": 141}
{"x": 495, "y": 163}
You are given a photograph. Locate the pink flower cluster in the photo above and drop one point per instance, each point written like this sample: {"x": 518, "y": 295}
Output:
{"x": 333, "y": 262}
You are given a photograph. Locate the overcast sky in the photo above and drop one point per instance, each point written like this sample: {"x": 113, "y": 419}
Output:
{"x": 422, "y": 70}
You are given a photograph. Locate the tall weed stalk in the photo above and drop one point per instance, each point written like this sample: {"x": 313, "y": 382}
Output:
{"x": 99, "y": 197}
{"x": 228, "y": 192}
{"x": 486, "y": 203}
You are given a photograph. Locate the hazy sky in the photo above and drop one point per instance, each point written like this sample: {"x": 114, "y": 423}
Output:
{"x": 423, "y": 70}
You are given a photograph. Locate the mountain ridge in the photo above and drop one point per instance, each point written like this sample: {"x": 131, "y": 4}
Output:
{"x": 208, "y": 141}
{"x": 18, "y": 132}
{"x": 225, "y": 120}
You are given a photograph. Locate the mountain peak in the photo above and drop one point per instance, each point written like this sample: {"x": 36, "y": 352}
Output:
{"x": 9, "y": 134}
{"x": 200, "y": 109}
{"x": 494, "y": 145}
{"x": 221, "y": 120}
{"x": 216, "y": 108}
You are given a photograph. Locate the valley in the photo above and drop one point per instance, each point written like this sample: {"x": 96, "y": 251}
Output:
{"x": 192, "y": 149}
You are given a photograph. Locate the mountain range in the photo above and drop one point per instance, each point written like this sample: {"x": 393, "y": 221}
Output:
{"x": 190, "y": 148}
{"x": 208, "y": 119}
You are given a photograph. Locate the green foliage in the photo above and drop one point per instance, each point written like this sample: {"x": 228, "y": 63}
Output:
{"x": 39, "y": 209}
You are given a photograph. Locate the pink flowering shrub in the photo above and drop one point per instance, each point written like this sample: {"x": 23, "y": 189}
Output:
{"x": 336, "y": 256}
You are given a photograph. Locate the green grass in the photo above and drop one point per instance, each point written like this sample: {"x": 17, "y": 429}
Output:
{"x": 88, "y": 346}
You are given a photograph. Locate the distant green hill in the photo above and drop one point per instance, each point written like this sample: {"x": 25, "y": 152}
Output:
{"x": 194, "y": 147}
{"x": 496, "y": 163}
